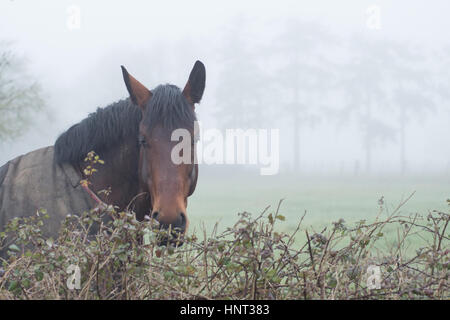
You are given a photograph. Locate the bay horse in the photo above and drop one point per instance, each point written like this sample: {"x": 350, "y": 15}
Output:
{"x": 133, "y": 138}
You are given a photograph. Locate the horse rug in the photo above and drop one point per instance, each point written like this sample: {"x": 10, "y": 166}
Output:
{"x": 34, "y": 181}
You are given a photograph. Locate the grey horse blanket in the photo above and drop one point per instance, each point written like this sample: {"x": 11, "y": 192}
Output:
{"x": 34, "y": 181}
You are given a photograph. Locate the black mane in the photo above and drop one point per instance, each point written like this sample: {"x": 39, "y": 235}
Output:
{"x": 112, "y": 125}
{"x": 99, "y": 131}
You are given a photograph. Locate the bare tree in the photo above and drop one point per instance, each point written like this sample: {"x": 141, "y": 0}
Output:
{"x": 20, "y": 97}
{"x": 305, "y": 75}
{"x": 386, "y": 80}
{"x": 242, "y": 82}
{"x": 371, "y": 76}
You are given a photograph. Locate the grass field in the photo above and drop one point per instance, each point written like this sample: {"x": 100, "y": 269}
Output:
{"x": 218, "y": 198}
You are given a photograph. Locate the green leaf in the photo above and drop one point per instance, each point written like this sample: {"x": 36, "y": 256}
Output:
{"x": 332, "y": 283}
{"x": 13, "y": 247}
{"x": 26, "y": 283}
{"x": 49, "y": 242}
{"x": 39, "y": 275}
{"x": 13, "y": 285}
{"x": 271, "y": 273}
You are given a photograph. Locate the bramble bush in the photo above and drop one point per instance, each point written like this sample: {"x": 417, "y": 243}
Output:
{"x": 251, "y": 260}
{"x": 248, "y": 261}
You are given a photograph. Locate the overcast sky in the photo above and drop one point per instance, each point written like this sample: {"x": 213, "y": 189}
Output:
{"x": 66, "y": 60}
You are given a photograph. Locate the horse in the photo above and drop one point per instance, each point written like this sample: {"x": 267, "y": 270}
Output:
{"x": 133, "y": 138}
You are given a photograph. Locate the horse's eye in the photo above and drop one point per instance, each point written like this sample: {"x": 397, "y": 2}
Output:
{"x": 142, "y": 141}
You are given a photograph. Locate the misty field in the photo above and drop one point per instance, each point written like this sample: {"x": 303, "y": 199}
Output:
{"x": 218, "y": 198}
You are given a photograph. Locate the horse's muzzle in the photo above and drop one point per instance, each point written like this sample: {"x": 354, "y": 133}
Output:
{"x": 179, "y": 225}
{"x": 173, "y": 233}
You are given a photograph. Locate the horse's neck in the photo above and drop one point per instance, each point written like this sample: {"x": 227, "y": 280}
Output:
{"x": 118, "y": 174}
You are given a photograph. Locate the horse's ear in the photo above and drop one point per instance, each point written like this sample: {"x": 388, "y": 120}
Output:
{"x": 193, "y": 91}
{"x": 139, "y": 94}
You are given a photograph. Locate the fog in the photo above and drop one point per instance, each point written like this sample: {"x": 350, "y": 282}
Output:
{"x": 363, "y": 83}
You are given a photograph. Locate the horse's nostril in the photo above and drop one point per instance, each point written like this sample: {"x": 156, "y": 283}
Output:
{"x": 181, "y": 221}
{"x": 179, "y": 224}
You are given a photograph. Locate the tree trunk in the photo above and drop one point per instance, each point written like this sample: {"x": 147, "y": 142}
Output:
{"x": 296, "y": 140}
{"x": 368, "y": 138}
{"x": 402, "y": 141}
{"x": 368, "y": 152}
{"x": 295, "y": 117}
